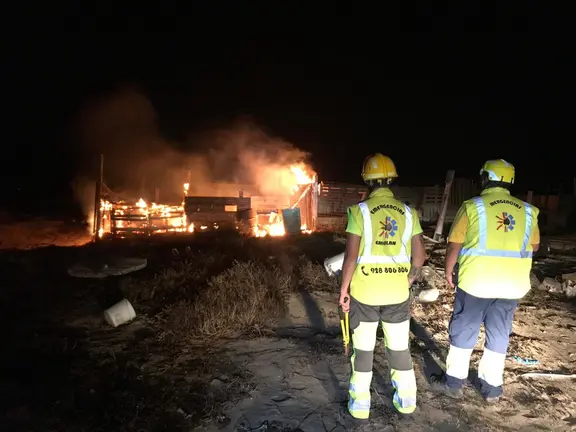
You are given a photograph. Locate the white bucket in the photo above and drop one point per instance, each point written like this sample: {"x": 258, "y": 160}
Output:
{"x": 429, "y": 295}
{"x": 334, "y": 264}
{"x": 120, "y": 313}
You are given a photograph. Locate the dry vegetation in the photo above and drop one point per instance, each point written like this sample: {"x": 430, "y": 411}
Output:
{"x": 249, "y": 296}
{"x": 313, "y": 277}
{"x": 169, "y": 370}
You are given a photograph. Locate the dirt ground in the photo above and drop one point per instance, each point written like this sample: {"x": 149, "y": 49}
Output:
{"x": 239, "y": 334}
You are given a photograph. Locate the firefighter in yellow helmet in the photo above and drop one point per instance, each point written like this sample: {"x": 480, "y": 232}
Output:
{"x": 384, "y": 254}
{"x": 488, "y": 261}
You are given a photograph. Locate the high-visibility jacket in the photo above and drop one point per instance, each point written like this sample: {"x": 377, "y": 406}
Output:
{"x": 496, "y": 256}
{"x": 380, "y": 277}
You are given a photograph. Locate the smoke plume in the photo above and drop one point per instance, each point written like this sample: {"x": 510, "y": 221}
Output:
{"x": 139, "y": 163}
{"x": 84, "y": 192}
{"x": 243, "y": 154}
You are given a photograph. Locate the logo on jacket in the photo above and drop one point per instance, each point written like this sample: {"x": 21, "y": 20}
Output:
{"x": 389, "y": 227}
{"x": 507, "y": 221}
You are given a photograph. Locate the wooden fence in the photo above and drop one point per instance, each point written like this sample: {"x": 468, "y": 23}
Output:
{"x": 335, "y": 198}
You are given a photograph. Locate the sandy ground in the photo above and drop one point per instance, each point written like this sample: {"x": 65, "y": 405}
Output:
{"x": 65, "y": 369}
{"x": 301, "y": 376}
{"x": 41, "y": 233}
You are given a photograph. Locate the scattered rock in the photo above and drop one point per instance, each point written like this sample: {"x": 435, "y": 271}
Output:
{"x": 569, "y": 287}
{"x": 433, "y": 277}
{"x": 281, "y": 397}
{"x": 569, "y": 277}
{"x": 217, "y": 385}
{"x": 551, "y": 285}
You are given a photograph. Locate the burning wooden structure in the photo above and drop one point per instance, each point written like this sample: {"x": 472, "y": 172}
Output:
{"x": 290, "y": 208}
{"x": 120, "y": 219}
{"x": 260, "y": 215}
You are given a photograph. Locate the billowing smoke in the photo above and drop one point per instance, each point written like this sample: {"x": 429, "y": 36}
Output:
{"x": 139, "y": 163}
{"x": 84, "y": 191}
{"x": 243, "y": 154}
{"x": 122, "y": 125}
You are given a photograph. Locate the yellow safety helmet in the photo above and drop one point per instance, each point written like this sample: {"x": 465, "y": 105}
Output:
{"x": 498, "y": 170}
{"x": 377, "y": 166}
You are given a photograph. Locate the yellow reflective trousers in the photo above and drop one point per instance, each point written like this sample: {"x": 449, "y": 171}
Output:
{"x": 395, "y": 319}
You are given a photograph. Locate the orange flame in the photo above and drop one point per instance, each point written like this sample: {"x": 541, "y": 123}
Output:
{"x": 142, "y": 217}
{"x": 296, "y": 176}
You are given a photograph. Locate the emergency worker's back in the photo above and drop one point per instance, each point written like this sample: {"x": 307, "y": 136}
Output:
{"x": 496, "y": 255}
{"x": 386, "y": 226}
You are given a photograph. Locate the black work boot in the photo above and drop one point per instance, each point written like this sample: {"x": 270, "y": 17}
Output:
{"x": 438, "y": 384}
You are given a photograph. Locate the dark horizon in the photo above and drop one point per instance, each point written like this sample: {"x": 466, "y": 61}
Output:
{"x": 498, "y": 96}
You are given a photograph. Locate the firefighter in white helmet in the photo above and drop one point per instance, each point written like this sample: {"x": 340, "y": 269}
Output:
{"x": 384, "y": 254}
{"x": 488, "y": 261}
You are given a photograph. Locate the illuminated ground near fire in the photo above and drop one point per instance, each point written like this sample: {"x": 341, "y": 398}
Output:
{"x": 241, "y": 334}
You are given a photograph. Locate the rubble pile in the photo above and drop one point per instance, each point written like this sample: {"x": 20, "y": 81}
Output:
{"x": 563, "y": 284}
{"x": 566, "y": 285}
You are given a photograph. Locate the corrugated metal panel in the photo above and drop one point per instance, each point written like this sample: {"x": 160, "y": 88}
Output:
{"x": 406, "y": 195}
{"x": 335, "y": 198}
{"x": 462, "y": 190}
{"x": 432, "y": 195}
{"x": 332, "y": 223}
{"x": 430, "y": 212}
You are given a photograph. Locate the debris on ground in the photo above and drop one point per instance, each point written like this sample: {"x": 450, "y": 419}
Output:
{"x": 102, "y": 268}
{"x": 551, "y": 285}
{"x": 429, "y": 295}
{"x": 227, "y": 339}
{"x": 120, "y": 313}
{"x": 569, "y": 285}
{"x": 524, "y": 361}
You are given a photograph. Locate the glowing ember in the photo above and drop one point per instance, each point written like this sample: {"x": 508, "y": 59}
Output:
{"x": 141, "y": 218}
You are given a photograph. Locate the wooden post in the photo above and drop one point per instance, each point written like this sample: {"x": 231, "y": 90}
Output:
{"x": 314, "y": 204}
{"x": 445, "y": 198}
{"x": 97, "y": 198}
{"x": 529, "y": 197}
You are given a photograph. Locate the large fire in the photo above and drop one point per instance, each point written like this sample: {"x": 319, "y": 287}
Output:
{"x": 141, "y": 217}
{"x": 295, "y": 178}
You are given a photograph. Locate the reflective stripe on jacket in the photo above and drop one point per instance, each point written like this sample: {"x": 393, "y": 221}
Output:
{"x": 380, "y": 277}
{"x": 496, "y": 257}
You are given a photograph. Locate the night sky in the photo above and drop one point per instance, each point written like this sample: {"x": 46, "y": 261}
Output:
{"x": 430, "y": 101}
